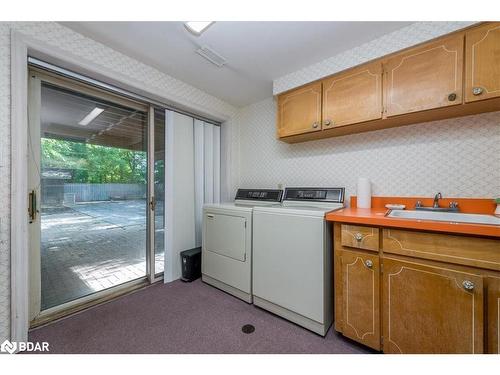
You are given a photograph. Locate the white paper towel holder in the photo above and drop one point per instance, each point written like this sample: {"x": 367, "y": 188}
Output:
{"x": 364, "y": 193}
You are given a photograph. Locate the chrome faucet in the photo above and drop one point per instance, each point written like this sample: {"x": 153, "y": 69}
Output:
{"x": 453, "y": 206}
{"x": 437, "y": 197}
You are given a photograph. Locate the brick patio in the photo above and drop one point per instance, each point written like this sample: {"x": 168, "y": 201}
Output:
{"x": 92, "y": 246}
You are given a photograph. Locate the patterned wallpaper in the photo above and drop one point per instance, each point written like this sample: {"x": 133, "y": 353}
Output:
{"x": 459, "y": 157}
{"x": 408, "y": 36}
{"x": 87, "y": 49}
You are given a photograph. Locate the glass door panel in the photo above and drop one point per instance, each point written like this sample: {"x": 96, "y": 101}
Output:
{"x": 93, "y": 194}
{"x": 159, "y": 190}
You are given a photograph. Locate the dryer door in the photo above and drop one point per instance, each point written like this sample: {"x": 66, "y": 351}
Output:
{"x": 225, "y": 234}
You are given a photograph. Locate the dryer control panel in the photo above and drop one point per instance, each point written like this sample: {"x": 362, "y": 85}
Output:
{"x": 331, "y": 195}
{"x": 268, "y": 195}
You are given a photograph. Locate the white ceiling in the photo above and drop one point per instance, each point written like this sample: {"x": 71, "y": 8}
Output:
{"x": 256, "y": 52}
{"x": 117, "y": 126}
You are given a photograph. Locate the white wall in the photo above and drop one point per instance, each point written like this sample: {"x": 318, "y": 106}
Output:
{"x": 87, "y": 50}
{"x": 459, "y": 157}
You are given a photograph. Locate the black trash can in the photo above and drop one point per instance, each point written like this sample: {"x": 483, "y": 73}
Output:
{"x": 191, "y": 264}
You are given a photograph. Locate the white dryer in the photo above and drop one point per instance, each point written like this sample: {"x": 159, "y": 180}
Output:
{"x": 227, "y": 241}
{"x": 292, "y": 257}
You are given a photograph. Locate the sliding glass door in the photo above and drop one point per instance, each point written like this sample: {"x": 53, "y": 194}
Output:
{"x": 93, "y": 201}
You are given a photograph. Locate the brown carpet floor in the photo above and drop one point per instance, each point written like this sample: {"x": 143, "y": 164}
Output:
{"x": 184, "y": 318}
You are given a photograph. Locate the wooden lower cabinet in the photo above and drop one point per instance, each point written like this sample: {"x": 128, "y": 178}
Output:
{"x": 360, "y": 236}
{"x": 416, "y": 291}
{"x": 361, "y": 288}
{"x": 431, "y": 308}
{"x": 493, "y": 303}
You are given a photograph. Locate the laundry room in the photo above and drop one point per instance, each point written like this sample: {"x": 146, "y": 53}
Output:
{"x": 260, "y": 184}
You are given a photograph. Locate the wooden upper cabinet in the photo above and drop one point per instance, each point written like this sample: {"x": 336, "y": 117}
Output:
{"x": 352, "y": 97}
{"x": 482, "y": 67}
{"x": 444, "y": 78}
{"x": 431, "y": 308}
{"x": 361, "y": 295}
{"x": 299, "y": 111}
{"x": 425, "y": 77}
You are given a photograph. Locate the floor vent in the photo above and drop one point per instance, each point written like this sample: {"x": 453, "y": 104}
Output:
{"x": 211, "y": 56}
{"x": 248, "y": 328}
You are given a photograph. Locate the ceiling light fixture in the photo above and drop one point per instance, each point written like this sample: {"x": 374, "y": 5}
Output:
{"x": 197, "y": 27}
{"x": 91, "y": 116}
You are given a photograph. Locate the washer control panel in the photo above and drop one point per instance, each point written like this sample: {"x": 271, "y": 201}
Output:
{"x": 334, "y": 195}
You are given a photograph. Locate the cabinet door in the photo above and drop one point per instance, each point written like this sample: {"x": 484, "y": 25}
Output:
{"x": 430, "y": 308}
{"x": 299, "y": 111}
{"x": 361, "y": 311}
{"x": 426, "y": 77}
{"x": 482, "y": 67}
{"x": 493, "y": 304}
{"x": 352, "y": 97}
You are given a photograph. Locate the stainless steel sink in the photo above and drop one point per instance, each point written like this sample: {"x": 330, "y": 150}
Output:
{"x": 445, "y": 216}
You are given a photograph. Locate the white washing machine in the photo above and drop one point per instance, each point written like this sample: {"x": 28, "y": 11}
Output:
{"x": 292, "y": 257}
{"x": 226, "y": 261}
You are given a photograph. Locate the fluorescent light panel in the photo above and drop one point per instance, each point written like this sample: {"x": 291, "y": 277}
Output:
{"x": 197, "y": 27}
{"x": 91, "y": 116}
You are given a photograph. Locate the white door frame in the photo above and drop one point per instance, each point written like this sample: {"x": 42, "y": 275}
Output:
{"x": 23, "y": 46}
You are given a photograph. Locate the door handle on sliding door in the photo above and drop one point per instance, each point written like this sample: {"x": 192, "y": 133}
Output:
{"x": 152, "y": 204}
{"x": 32, "y": 209}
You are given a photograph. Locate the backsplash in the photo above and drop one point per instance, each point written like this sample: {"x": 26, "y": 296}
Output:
{"x": 459, "y": 157}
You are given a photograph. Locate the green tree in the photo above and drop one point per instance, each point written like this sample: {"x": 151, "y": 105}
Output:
{"x": 91, "y": 163}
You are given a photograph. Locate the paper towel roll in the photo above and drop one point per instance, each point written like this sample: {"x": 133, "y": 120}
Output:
{"x": 364, "y": 193}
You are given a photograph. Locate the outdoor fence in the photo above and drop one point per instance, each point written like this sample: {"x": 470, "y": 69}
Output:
{"x": 74, "y": 193}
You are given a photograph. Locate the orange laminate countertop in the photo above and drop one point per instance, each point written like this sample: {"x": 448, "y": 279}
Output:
{"x": 376, "y": 217}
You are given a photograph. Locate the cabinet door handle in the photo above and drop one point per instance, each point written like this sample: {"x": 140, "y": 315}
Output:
{"x": 452, "y": 97}
{"x": 210, "y": 216}
{"x": 358, "y": 236}
{"x": 327, "y": 123}
{"x": 315, "y": 125}
{"x": 477, "y": 91}
{"x": 468, "y": 285}
{"x": 369, "y": 263}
